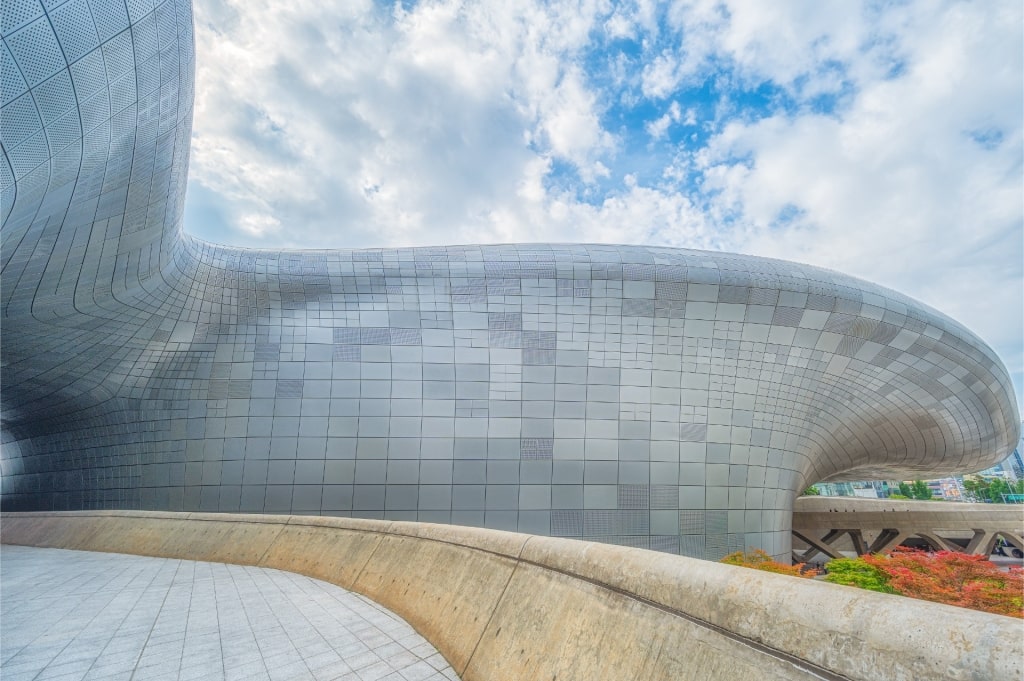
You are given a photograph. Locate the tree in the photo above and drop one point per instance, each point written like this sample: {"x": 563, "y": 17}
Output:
{"x": 991, "y": 490}
{"x": 905, "y": 491}
{"x": 811, "y": 491}
{"x": 997, "y": 488}
{"x": 920, "y": 491}
{"x": 977, "y": 488}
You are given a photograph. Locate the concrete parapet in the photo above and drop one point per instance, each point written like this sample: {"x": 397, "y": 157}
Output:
{"x": 502, "y": 605}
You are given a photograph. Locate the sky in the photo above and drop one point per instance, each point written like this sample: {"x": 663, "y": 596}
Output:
{"x": 879, "y": 139}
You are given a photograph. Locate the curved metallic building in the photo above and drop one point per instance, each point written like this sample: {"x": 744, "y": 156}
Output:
{"x": 664, "y": 398}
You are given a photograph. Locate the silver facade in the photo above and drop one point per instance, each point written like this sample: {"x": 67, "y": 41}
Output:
{"x": 671, "y": 399}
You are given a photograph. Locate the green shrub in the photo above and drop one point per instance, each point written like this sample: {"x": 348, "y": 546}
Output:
{"x": 855, "y": 572}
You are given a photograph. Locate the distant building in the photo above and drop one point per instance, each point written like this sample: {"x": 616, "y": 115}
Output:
{"x": 871, "y": 489}
{"x": 951, "y": 489}
{"x": 1015, "y": 462}
{"x": 835, "y": 489}
{"x": 1012, "y": 468}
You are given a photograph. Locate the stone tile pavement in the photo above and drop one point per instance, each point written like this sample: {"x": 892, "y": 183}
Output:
{"x": 81, "y": 615}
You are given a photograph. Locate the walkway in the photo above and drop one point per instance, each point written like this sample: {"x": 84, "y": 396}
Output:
{"x": 833, "y": 526}
{"x": 81, "y": 615}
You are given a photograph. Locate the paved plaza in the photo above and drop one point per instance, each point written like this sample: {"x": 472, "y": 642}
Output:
{"x": 81, "y": 615}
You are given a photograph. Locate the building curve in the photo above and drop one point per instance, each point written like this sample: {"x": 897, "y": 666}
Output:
{"x": 671, "y": 399}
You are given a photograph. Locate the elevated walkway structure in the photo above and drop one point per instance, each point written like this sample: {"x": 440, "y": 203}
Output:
{"x": 509, "y": 606}
{"x": 834, "y": 526}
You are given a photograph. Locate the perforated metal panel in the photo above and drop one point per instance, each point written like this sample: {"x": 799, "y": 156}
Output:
{"x": 75, "y": 30}
{"x": 111, "y": 17}
{"x": 652, "y": 397}
{"x": 18, "y": 120}
{"x": 15, "y": 14}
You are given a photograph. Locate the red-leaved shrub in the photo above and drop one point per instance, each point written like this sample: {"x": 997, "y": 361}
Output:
{"x": 953, "y": 578}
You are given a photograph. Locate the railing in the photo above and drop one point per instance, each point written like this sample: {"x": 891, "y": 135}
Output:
{"x": 501, "y": 605}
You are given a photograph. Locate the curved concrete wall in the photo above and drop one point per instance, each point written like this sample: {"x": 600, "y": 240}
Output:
{"x": 510, "y": 606}
{"x": 662, "y": 398}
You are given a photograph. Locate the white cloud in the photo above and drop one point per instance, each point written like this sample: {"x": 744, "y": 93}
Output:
{"x": 569, "y": 122}
{"x": 426, "y": 107}
{"x": 657, "y": 128}
{"x": 897, "y": 189}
